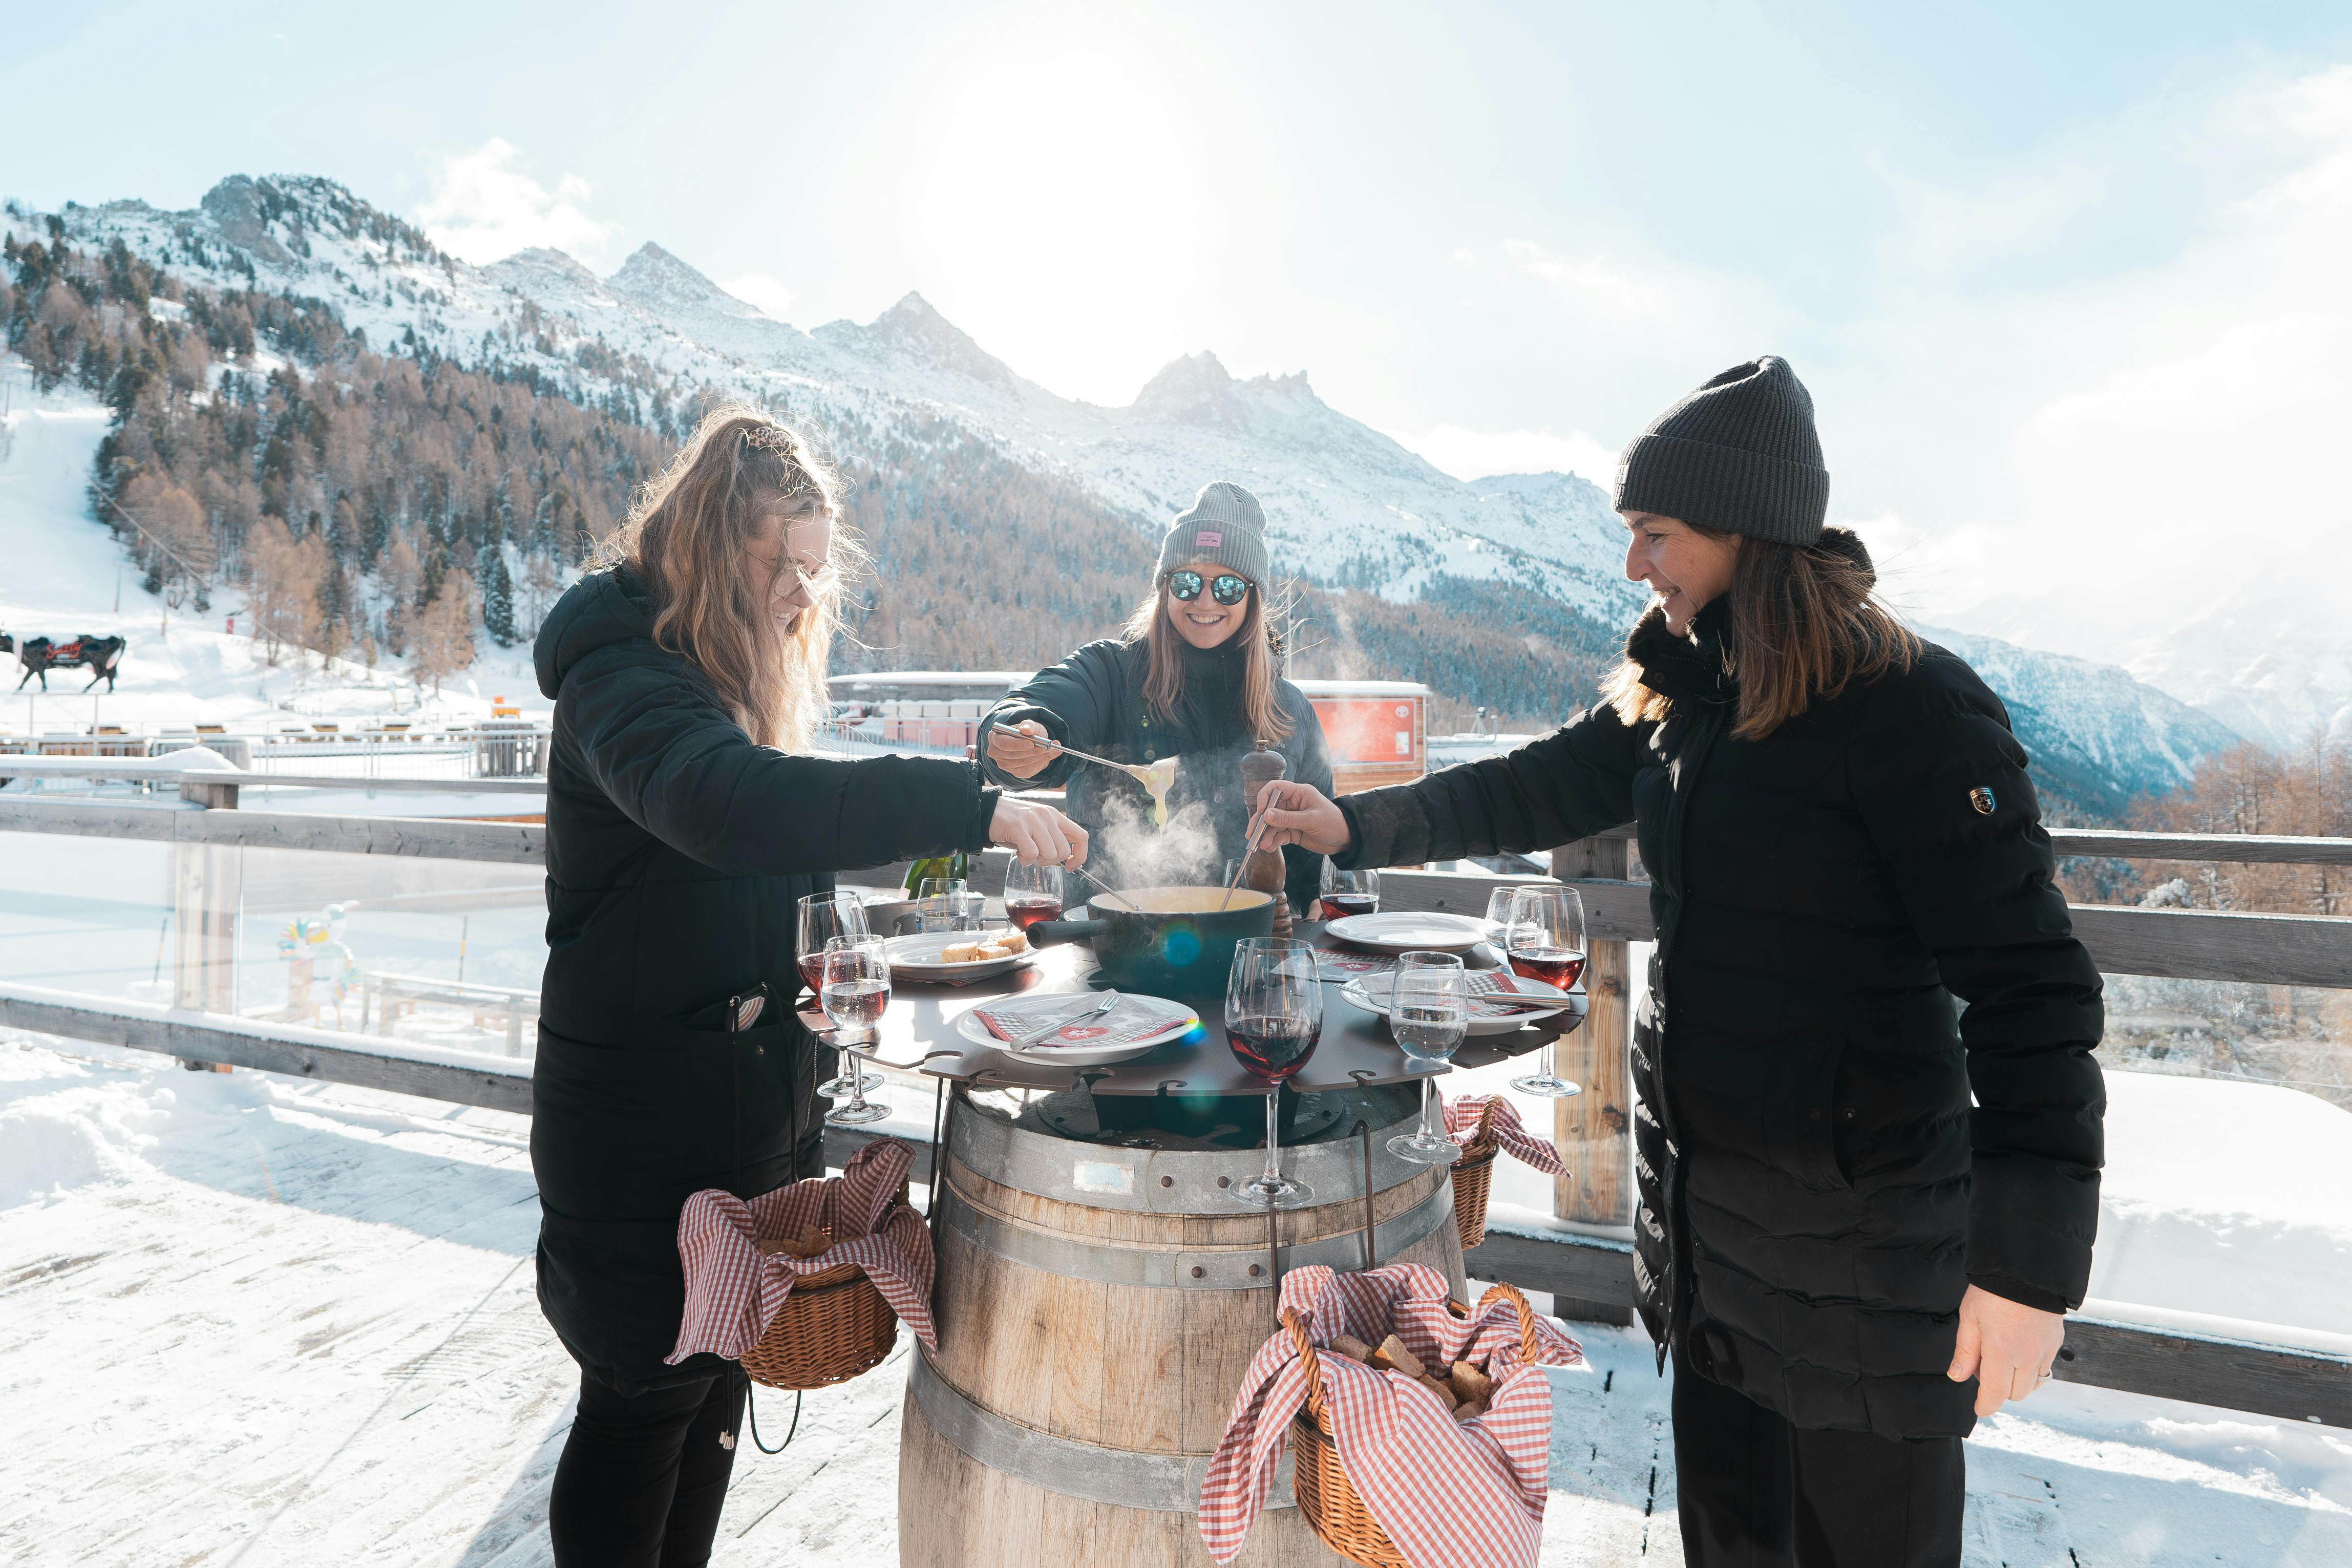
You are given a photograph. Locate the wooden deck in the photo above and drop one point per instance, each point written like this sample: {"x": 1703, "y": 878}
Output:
{"x": 282, "y": 1322}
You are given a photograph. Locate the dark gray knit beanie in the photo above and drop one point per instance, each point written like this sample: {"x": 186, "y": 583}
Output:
{"x": 1738, "y": 456}
{"x": 1225, "y": 525}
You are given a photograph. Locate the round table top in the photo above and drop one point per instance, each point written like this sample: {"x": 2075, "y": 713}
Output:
{"x": 917, "y": 1033}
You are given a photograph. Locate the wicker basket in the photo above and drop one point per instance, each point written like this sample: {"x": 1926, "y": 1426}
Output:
{"x": 1474, "y": 1178}
{"x": 1333, "y": 1509}
{"x": 834, "y": 1326}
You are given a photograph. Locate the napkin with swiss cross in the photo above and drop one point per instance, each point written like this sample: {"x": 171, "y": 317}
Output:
{"x": 1465, "y": 1494}
{"x": 733, "y": 1291}
{"x": 1462, "y": 1113}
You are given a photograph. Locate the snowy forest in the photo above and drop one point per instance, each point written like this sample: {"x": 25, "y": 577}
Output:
{"x": 379, "y": 501}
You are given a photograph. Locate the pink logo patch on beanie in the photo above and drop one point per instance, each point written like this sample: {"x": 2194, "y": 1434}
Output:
{"x": 1208, "y": 540}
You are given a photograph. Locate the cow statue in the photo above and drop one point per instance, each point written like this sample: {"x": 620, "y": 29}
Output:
{"x": 102, "y": 657}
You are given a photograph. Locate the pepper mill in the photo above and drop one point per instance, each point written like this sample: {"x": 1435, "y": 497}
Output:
{"x": 1266, "y": 870}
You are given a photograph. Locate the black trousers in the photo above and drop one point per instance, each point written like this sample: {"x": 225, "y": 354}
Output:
{"x": 642, "y": 1480}
{"x": 1756, "y": 1492}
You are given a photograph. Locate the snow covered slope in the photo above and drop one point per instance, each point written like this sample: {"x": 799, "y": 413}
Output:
{"x": 2097, "y": 736}
{"x": 1346, "y": 505}
{"x": 59, "y": 577}
{"x": 2275, "y": 664}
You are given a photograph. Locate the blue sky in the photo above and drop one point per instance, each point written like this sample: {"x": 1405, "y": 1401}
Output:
{"x": 2061, "y": 278}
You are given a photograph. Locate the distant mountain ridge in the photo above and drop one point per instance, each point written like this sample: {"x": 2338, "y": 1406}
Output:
{"x": 1525, "y": 567}
{"x": 2099, "y": 738}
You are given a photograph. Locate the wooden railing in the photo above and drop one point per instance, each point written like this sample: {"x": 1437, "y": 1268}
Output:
{"x": 1582, "y": 1256}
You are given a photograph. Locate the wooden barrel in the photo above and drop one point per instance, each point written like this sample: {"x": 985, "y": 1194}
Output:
{"x": 1097, "y": 1308}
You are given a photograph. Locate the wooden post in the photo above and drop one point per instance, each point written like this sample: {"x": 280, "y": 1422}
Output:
{"x": 1594, "y": 1130}
{"x": 208, "y": 887}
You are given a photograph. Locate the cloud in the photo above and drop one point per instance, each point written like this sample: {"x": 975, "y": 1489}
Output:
{"x": 761, "y": 289}
{"x": 2125, "y": 449}
{"x": 1468, "y": 454}
{"x": 485, "y": 206}
{"x": 1597, "y": 287}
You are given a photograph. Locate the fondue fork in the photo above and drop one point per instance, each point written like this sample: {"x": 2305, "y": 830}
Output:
{"x": 1106, "y": 887}
{"x": 1134, "y": 769}
{"x": 1249, "y": 848}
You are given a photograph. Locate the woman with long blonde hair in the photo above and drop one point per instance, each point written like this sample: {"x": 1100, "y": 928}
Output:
{"x": 1196, "y": 675}
{"x": 1863, "y": 1210}
{"x": 686, "y": 815}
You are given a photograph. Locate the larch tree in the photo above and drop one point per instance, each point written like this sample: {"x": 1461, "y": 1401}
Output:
{"x": 444, "y": 643}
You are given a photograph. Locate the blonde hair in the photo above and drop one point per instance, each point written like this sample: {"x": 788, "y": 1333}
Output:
{"x": 1805, "y": 623}
{"x": 1163, "y": 680}
{"x": 687, "y": 536}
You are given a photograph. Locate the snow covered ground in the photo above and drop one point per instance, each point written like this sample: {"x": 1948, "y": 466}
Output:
{"x": 247, "y": 1320}
{"x": 61, "y": 574}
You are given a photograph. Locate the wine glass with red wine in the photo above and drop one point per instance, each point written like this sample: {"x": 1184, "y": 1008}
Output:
{"x": 1543, "y": 939}
{"x": 1033, "y": 892}
{"x": 822, "y": 917}
{"x": 1348, "y": 893}
{"x": 855, "y": 989}
{"x": 1273, "y": 1017}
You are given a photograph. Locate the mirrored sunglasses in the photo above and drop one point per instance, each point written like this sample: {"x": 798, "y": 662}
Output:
{"x": 1226, "y": 589}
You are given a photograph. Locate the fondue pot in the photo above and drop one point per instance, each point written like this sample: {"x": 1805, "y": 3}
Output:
{"x": 1165, "y": 940}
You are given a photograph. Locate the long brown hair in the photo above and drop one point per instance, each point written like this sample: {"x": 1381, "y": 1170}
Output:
{"x": 687, "y": 535}
{"x": 1163, "y": 677}
{"x": 1805, "y": 623}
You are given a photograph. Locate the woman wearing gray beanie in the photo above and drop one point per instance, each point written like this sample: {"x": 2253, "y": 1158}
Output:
{"x": 1197, "y": 676}
{"x": 1863, "y": 1210}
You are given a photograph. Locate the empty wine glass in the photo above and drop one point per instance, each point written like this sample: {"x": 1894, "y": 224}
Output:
{"x": 1429, "y": 1013}
{"x": 854, "y": 991}
{"x": 1348, "y": 893}
{"x": 940, "y": 904}
{"x": 1033, "y": 892}
{"x": 822, "y": 917}
{"x": 1543, "y": 939}
{"x": 1273, "y": 1017}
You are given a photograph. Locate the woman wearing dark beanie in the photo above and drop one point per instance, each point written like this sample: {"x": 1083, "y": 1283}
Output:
{"x": 1848, "y": 1260}
{"x": 1197, "y": 674}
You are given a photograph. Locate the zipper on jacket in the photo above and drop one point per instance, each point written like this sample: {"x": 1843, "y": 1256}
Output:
{"x": 1683, "y": 778}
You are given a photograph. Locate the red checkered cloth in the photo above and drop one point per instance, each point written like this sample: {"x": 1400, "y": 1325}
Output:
{"x": 1131, "y": 1018}
{"x": 1450, "y": 1494}
{"x": 733, "y": 1291}
{"x": 1462, "y": 1113}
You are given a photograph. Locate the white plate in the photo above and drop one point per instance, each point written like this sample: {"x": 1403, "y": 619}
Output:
{"x": 1404, "y": 932}
{"x": 1182, "y": 1021}
{"x": 917, "y": 957}
{"x": 1357, "y": 994}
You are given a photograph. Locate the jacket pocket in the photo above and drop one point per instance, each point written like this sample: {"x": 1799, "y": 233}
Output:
{"x": 1801, "y": 1119}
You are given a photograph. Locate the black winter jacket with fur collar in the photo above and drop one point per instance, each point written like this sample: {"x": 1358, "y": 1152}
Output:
{"x": 1828, "y": 1151}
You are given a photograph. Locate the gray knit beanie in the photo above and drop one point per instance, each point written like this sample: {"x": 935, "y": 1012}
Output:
{"x": 1738, "y": 456}
{"x": 1225, "y": 525}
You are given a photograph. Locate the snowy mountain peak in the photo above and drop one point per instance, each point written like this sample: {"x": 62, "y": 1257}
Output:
{"x": 543, "y": 269}
{"x": 1198, "y": 390}
{"x": 656, "y": 279}
{"x": 913, "y": 331}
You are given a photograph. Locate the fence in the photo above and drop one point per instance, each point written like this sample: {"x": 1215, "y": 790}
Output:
{"x": 1583, "y": 1263}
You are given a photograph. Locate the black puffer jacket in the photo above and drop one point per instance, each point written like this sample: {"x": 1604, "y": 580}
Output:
{"x": 676, "y": 851}
{"x": 1094, "y": 700}
{"x": 1816, "y": 1190}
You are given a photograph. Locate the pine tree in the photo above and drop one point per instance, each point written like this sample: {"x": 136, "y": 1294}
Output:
{"x": 497, "y": 599}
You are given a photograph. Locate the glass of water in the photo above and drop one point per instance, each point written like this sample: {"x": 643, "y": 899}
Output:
{"x": 1429, "y": 1013}
{"x": 943, "y": 903}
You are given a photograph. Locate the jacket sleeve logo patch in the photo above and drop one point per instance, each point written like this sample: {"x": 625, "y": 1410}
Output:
{"x": 1981, "y": 798}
